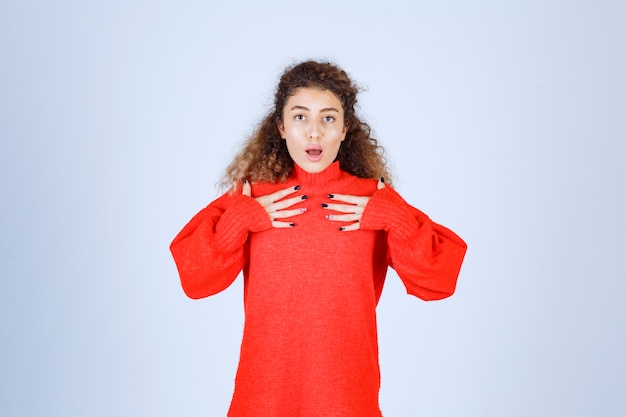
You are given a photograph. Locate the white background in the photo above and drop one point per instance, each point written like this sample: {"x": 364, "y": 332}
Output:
{"x": 503, "y": 121}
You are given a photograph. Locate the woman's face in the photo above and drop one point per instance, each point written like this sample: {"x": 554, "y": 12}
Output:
{"x": 313, "y": 127}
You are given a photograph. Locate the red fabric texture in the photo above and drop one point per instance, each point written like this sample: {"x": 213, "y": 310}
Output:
{"x": 310, "y": 345}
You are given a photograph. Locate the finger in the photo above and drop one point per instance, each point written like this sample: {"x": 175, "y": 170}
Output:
{"x": 283, "y": 204}
{"x": 344, "y": 217}
{"x": 381, "y": 183}
{"x": 352, "y": 199}
{"x": 351, "y": 227}
{"x": 266, "y": 200}
{"x": 286, "y": 213}
{"x": 282, "y": 225}
{"x": 245, "y": 189}
{"x": 343, "y": 208}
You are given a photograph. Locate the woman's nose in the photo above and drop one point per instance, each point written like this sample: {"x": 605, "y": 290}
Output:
{"x": 314, "y": 131}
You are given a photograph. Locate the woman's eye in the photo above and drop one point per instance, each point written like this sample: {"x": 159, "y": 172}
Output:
{"x": 299, "y": 117}
{"x": 329, "y": 119}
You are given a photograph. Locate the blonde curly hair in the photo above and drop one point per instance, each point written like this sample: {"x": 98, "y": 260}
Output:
{"x": 264, "y": 156}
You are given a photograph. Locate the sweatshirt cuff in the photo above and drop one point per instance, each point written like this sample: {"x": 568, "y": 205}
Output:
{"x": 243, "y": 216}
{"x": 387, "y": 210}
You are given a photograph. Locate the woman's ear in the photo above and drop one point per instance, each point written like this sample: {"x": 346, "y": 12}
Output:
{"x": 281, "y": 128}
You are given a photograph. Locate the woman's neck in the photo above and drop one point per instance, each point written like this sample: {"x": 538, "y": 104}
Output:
{"x": 331, "y": 173}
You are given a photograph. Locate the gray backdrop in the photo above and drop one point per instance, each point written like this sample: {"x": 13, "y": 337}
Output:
{"x": 502, "y": 120}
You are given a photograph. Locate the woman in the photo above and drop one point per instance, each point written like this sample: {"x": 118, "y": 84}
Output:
{"x": 314, "y": 227}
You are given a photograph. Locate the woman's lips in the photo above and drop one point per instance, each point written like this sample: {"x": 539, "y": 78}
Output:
{"x": 314, "y": 154}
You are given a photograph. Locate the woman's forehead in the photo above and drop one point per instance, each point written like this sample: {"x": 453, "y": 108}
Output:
{"x": 314, "y": 97}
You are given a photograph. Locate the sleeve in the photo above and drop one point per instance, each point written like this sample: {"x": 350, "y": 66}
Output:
{"x": 426, "y": 255}
{"x": 211, "y": 249}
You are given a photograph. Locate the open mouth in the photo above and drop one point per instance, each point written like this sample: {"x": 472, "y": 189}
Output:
{"x": 314, "y": 154}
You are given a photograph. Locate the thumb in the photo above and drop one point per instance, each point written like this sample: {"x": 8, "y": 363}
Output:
{"x": 381, "y": 183}
{"x": 245, "y": 189}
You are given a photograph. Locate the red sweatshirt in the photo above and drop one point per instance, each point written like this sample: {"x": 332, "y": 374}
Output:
{"x": 310, "y": 346}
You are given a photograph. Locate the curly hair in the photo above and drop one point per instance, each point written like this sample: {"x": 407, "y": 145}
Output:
{"x": 264, "y": 156}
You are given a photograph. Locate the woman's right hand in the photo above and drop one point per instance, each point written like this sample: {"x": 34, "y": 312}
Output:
{"x": 275, "y": 206}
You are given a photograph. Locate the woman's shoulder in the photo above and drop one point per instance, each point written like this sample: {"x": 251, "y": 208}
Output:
{"x": 265, "y": 188}
{"x": 357, "y": 186}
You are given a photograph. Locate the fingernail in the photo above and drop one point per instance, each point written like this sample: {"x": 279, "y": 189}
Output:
{"x": 292, "y": 224}
{"x": 303, "y": 209}
{"x": 245, "y": 181}
{"x": 330, "y": 195}
{"x": 304, "y": 197}
{"x": 297, "y": 187}
{"x": 329, "y": 217}
{"x": 382, "y": 179}
{"x": 342, "y": 228}
{"x": 324, "y": 205}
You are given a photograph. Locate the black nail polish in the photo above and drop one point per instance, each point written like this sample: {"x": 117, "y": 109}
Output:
{"x": 324, "y": 205}
{"x": 304, "y": 197}
{"x": 382, "y": 179}
{"x": 297, "y": 187}
{"x": 243, "y": 180}
{"x": 292, "y": 224}
{"x": 330, "y": 195}
{"x": 341, "y": 228}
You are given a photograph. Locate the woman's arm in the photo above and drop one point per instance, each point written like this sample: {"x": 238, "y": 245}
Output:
{"x": 211, "y": 249}
{"x": 426, "y": 255}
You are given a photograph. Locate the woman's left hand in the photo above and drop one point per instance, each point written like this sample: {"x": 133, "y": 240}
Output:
{"x": 353, "y": 209}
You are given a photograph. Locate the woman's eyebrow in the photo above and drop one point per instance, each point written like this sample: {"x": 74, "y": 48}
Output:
{"x": 297, "y": 107}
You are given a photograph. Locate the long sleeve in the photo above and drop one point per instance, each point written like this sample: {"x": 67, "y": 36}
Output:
{"x": 211, "y": 249}
{"x": 426, "y": 255}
